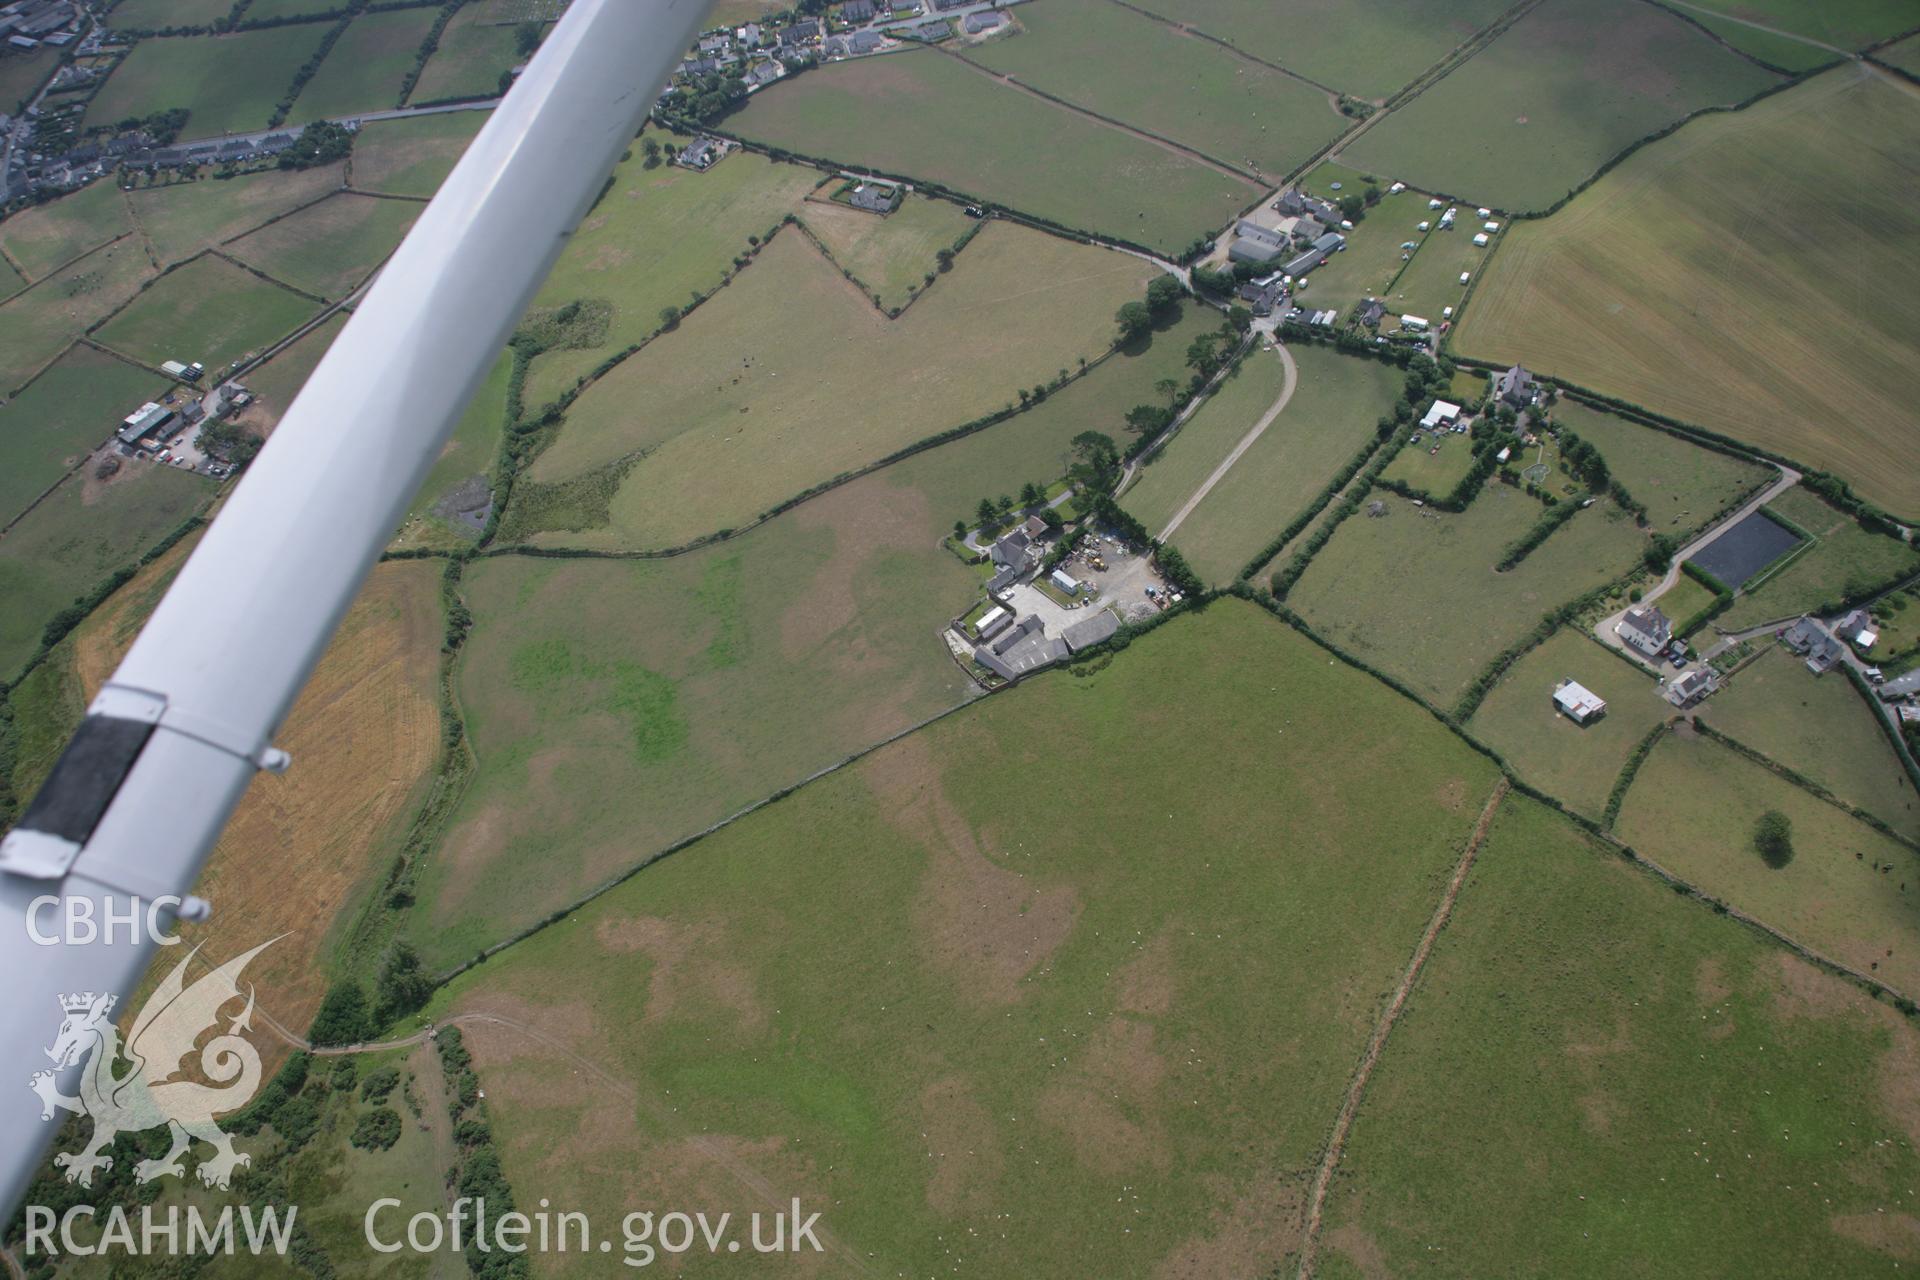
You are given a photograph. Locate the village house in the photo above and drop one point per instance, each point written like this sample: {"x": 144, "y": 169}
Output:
{"x": 1371, "y": 313}
{"x": 1009, "y": 549}
{"x": 1686, "y": 689}
{"x": 1820, "y": 649}
{"x": 979, "y": 22}
{"x": 1262, "y": 295}
{"x": 701, "y": 154}
{"x": 1647, "y": 630}
{"x": 874, "y": 197}
{"x": 857, "y": 11}
{"x": 1577, "y": 702}
{"x": 1858, "y": 629}
{"x": 1515, "y": 387}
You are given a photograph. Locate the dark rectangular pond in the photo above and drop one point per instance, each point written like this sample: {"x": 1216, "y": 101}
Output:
{"x": 1746, "y": 549}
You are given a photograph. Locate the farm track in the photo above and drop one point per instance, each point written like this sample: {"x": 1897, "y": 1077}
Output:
{"x": 1337, "y": 1144}
{"x": 1258, "y": 429}
{"x": 1760, "y": 26}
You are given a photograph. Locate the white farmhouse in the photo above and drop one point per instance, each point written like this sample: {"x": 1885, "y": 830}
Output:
{"x": 1647, "y": 630}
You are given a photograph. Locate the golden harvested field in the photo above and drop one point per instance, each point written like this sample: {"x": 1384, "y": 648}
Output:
{"x": 789, "y": 377}
{"x": 363, "y": 736}
{"x": 1753, "y": 274}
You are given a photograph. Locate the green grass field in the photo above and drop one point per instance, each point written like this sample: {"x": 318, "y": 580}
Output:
{"x": 69, "y": 409}
{"x": 1155, "y": 78}
{"x": 262, "y": 10}
{"x": 469, "y": 60}
{"x": 38, "y": 325}
{"x": 275, "y": 383}
{"x": 1373, "y": 256}
{"x": 1435, "y": 465}
{"x": 1369, "y": 49}
{"x": 51, "y": 700}
{"x": 1849, "y": 891}
{"x": 364, "y": 69}
{"x": 1660, "y": 285}
{"x": 1818, "y": 727}
{"x": 1682, "y": 485}
{"x": 412, "y": 157}
{"x": 43, "y": 238}
{"x": 743, "y": 408}
{"x": 1431, "y": 282}
{"x": 208, "y": 310}
{"x": 229, "y": 84}
{"x": 1790, "y": 53}
{"x": 152, "y": 15}
{"x": 1535, "y": 113}
{"x": 332, "y": 247}
{"x": 1181, "y": 466}
{"x": 22, "y": 74}
{"x": 895, "y": 114}
{"x": 1685, "y": 598}
{"x": 657, "y": 237}
{"x": 1899, "y": 625}
{"x": 774, "y": 654}
{"x": 1595, "y": 1077}
{"x": 182, "y": 218}
{"x": 471, "y": 451}
{"x": 1576, "y": 764}
{"x": 79, "y": 536}
{"x": 1058, "y": 1024}
{"x": 1905, "y": 55}
{"x": 1333, "y": 411}
{"x": 1414, "y": 592}
{"x": 1848, "y": 24}
{"x": 894, "y": 255}
{"x": 1845, "y": 560}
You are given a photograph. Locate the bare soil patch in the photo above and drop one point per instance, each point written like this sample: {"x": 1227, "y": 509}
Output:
{"x": 963, "y": 1147}
{"x": 689, "y": 960}
{"x": 984, "y": 925}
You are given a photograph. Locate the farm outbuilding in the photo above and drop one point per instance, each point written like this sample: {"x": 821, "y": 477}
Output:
{"x": 1579, "y": 703}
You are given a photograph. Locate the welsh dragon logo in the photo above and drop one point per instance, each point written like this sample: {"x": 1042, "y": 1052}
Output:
{"x": 150, "y": 1094}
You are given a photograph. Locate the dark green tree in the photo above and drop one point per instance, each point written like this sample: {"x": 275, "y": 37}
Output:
{"x": 343, "y": 1016}
{"x": 1163, "y": 295}
{"x": 1134, "y": 319}
{"x": 1773, "y": 839}
{"x": 1096, "y": 465}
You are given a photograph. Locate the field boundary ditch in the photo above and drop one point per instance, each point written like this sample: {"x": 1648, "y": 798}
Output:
{"x": 1383, "y": 1026}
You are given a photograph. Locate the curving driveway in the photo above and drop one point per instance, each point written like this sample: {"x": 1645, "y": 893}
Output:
{"x": 1292, "y": 379}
